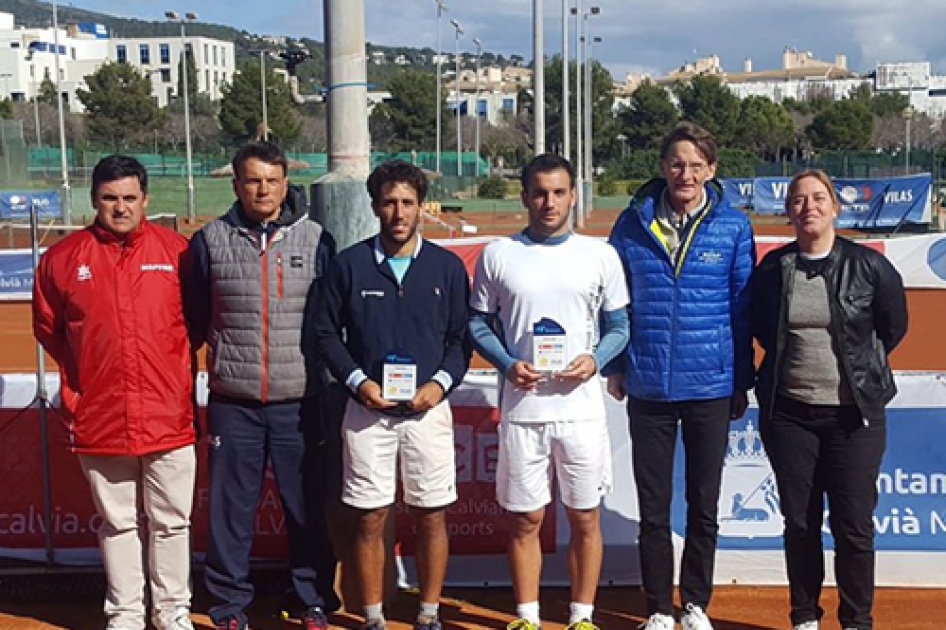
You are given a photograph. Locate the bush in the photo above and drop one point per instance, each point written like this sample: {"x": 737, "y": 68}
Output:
{"x": 492, "y": 188}
{"x": 634, "y": 185}
{"x": 608, "y": 187}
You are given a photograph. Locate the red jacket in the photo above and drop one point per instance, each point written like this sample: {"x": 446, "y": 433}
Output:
{"x": 111, "y": 315}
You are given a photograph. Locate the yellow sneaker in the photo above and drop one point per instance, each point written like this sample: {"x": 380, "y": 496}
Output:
{"x": 584, "y": 624}
{"x": 522, "y": 624}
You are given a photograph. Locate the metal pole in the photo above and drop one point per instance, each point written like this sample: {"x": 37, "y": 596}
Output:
{"x": 66, "y": 201}
{"x": 538, "y": 74}
{"x": 42, "y": 399}
{"x": 587, "y": 110}
{"x": 441, "y": 7}
{"x": 476, "y": 107}
{"x": 906, "y": 156}
{"x": 579, "y": 140}
{"x": 589, "y": 174}
{"x": 39, "y": 135}
{"x": 566, "y": 95}
{"x": 459, "y": 31}
{"x": 348, "y": 87}
{"x": 191, "y": 210}
{"x": 262, "y": 82}
{"x": 340, "y": 198}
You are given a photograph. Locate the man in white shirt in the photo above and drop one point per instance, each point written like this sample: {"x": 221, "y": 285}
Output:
{"x": 549, "y": 311}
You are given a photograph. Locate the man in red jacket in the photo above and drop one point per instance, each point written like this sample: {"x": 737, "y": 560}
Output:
{"x": 107, "y": 307}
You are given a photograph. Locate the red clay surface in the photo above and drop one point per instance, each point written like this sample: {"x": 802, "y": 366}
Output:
{"x": 733, "y": 608}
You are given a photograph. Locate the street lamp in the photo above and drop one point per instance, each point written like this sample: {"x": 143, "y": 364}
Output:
{"x": 908, "y": 118}
{"x": 623, "y": 140}
{"x": 582, "y": 112}
{"x": 64, "y": 164}
{"x": 476, "y": 110}
{"x": 459, "y": 31}
{"x": 538, "y": 75}
{"x": 262, "y": 83}
{"x": 441, "y": 7}
{"x": 566, "y": 73}
{"x": 589, "y": 142}
{"x": 173, "y": 16}
{"x": 39, "y": 136}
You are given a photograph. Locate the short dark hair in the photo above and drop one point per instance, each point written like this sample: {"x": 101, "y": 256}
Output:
{"x": 396, "y": 172}
{"x": 115, "y": 167}
{"x": 690, "y": 132}
{"x": 546, "y": 163}
{"x": 264, "y": 152}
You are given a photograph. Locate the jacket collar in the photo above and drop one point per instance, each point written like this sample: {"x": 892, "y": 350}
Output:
{"x": 648, "y": 197}
{"x": 294, "y": 208}
{"x": 107, "y": 237}
{"x": 380, "y": 256}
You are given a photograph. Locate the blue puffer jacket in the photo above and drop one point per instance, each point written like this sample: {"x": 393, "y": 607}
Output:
{"x": 690, "y": 333}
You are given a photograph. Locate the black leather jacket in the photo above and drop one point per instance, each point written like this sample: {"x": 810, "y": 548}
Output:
{"x": 868, "y": 314}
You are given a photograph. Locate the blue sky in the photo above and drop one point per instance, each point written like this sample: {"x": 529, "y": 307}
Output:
{"x": 638, "y": 35}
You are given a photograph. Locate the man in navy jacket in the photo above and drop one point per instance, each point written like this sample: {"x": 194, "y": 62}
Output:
{"x": 391, "y": 325}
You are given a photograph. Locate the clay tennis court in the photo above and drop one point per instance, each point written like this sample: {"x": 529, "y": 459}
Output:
{"x": 29, "y": 602}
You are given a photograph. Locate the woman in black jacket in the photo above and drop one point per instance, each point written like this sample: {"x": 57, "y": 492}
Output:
{"x": 827, "y": 312}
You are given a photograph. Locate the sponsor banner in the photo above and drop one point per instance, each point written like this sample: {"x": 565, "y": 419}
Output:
{"x": 16, "y": 205}
{"x": 920, "y": 259}
{"x": 16, "y": 274}
{"x": 911, "y": 511}
{"x": 477, "y": 525}
{"x": 910, "y": 519}
{"x": 738, "y": 191}
{"x": 865, "y": 203}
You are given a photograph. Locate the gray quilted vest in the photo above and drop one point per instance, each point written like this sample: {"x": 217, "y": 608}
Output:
{"x": 259, "y": 294}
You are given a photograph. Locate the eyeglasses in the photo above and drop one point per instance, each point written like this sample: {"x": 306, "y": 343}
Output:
{"x": 697, "y": 168}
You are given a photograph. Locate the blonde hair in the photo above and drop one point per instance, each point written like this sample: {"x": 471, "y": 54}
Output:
{"x": 822, "y": 177}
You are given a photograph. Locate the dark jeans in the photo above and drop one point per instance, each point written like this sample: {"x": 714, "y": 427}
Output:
{"x": 243, "y": 436}
{"x": 705, "y": 426}
{"x": 818, "y": 451}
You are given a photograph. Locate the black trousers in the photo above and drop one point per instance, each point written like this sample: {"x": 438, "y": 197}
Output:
{"x": 818, "y": 451}
{"x": 705, "y": 427}
{"x": 244, "y": 436}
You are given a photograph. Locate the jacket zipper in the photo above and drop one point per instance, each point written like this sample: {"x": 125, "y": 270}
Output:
{"x": 264, "y": 262}
{"x": 838, "y": 324}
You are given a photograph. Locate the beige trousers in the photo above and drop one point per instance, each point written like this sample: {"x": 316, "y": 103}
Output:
{"x": 145, "y": 507}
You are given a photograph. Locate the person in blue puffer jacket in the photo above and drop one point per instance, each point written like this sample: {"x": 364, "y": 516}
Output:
{"x": 688, "y": 257}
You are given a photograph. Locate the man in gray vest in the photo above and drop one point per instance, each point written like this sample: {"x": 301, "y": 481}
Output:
{"x": 248, "y": 279}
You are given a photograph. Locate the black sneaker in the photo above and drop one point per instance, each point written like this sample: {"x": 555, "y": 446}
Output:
{"x": 314, "y": 619}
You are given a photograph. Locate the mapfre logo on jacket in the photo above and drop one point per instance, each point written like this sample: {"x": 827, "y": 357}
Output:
{"x": 110, "y": 313}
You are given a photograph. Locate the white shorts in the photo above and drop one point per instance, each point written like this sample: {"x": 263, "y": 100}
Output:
{"x": 373, "y": 443}
{"x": 577, "y": 453}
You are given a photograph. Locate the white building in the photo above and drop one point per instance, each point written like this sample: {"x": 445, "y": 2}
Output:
{"x": 27, "y": 55}
{"x": 160, "y": 57}
{"x": 803, "y": 77}
{"x": 498, "y": 93}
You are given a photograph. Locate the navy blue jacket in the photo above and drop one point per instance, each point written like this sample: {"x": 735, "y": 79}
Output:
{"x": 690, "y": 333}
{"x": 364, "y": 313}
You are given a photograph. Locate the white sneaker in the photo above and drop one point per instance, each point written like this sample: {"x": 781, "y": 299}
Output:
{"x": 180, "y": 619}
{"x": 658, "y": 621}
{"x": 807, "y": 625}
{"x": 695, "y": 619}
